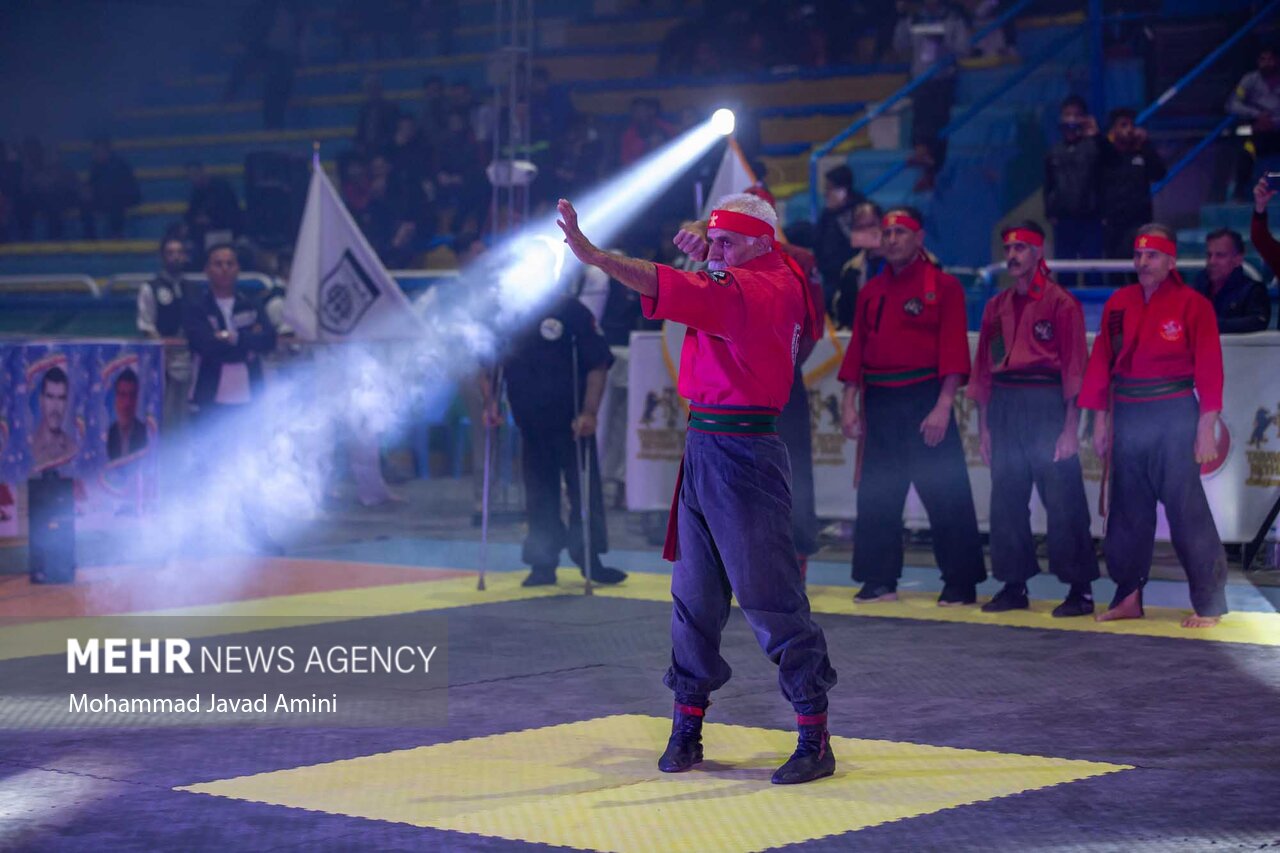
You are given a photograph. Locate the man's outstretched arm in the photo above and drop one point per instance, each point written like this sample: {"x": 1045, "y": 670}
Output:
{"x": 640, "y": 276}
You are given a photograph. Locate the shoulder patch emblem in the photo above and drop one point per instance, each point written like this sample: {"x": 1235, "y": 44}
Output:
{"x": 551, "y": 329}
{"x": 164, "y": 295}
{"x": 1043, "y": 331}
{"x": 913, "y": 306}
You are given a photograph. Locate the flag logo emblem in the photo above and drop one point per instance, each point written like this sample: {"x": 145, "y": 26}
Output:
{"x": 346, "y": 294}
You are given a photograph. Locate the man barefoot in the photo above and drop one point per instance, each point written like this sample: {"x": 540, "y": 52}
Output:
{"x": 1155, "y": 377}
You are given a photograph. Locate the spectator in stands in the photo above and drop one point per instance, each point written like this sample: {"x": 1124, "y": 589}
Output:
{"x": 1259, "y": 234}
{"x": 1256, "y": 100}
{"x": 866, "y": 263}
{"x": 392, "y": 216}
{"x": 577, "y": 156}
{"x": 213, "y": 209}
{"x": 1071, "y": 187}
{"x": 835, "y": 226}
{"x": 52, "y": 189}
{"x": 271, "y": 35}
{"x": 376, "y": 124}
{"x": 935, "y": 33}
{"x": 1241, "y": 302}
{"x": 460, "y": 181}
{"x": 111, "y": 189}
{"x": 160, "y": 309}
{"x": 646, "y": 131}
{"x": 409, "y": 153}
{"x": 435, "y": 110}
{"x": 551, "y": 108}
{"x": 1128, "y": 165}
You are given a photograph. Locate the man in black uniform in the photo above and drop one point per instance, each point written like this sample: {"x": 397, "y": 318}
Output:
{"x": 538, "y": 368}
{"x": 160, "y": 307}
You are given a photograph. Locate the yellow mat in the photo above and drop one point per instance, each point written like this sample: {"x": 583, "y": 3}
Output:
{"x": 594, "y": 785}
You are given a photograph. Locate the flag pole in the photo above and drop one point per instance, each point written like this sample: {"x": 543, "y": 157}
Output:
{"x": 315, "y": 154}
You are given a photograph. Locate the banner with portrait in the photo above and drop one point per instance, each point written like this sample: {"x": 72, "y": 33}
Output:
{"x": 89, "y": 411}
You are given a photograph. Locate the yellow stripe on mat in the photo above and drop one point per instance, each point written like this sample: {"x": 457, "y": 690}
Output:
{"x": 288, "y": 611}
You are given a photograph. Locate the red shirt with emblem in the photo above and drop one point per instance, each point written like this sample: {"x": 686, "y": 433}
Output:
{"x": 909, "y": 323}
{"x": 1174, "y": 336}
{"x": 744, "y": 330}
{"x": 1042, "y": 332}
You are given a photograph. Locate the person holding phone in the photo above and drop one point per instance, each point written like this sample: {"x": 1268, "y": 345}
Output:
{"x": 1259, "y": 231}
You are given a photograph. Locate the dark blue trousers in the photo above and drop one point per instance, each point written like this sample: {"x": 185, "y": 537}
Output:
{"x": 894, "y": 459}
{"x": 1153, "y": 459}
{"x": 734, "y": 517}
{"x": 1025, "y": 424}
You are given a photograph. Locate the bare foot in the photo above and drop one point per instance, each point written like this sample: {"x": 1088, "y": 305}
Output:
{"x": 1129, "y": 608}
{"x": 1201, "y": 621}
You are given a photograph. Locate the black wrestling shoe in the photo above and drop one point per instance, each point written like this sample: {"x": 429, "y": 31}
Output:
{"x": 606, "y": 575}
{"x": 875, "y": 592}
{"x": 1079, "y": 602}
{"x": 956, "y": 594}
{"x": 813, "y": 758}
{"x": 540, "y": 576}
{"x": 684, "y": 748}
{"x": 1012, "y": 596}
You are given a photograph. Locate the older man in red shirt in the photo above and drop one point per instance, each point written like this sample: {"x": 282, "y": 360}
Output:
{"x": 1155, "y": 374}
{"x": 1026, "y": 375}
{"x": 746, "y": 316}
{"x": 908, "y": 356}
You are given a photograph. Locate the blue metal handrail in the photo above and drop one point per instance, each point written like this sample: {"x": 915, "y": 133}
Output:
{"x": 1054, "y": 48}
{"x": 881, "y": 108}
{"x": 1195, "y": 152}
{"x": 1172, "y": 92}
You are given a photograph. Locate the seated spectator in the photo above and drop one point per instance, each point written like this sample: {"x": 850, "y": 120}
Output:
{"x": 1071, "y": 188}
{"x": 435, "y": 110}
{"x": 646, "y": 131}
{"x": 1241, "y": 303}
{"x": 376, "y": 124}
{"x": 1256, "y": 100}
{"x": 52, "y": 189}
{"x": 1128, "y": 165}
{"x": 213, "y": 210}
{"x": 577, "y": 157}
{"x": 459, "y": 179}
{"x": 112, "y": 188}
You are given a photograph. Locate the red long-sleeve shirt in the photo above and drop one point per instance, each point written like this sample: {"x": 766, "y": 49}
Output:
{"x": 1174, "y": 336}
{"x": 1041, "y": 332}
{"x": 908, "y": 323}
{"x": 745, "y": 325}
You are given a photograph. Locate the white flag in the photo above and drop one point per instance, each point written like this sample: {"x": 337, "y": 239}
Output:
{"x": 338, "y": 288}
{"x": 733, "y": 176}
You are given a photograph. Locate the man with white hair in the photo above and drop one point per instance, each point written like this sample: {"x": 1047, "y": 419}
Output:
{"x": 730, "y": 527}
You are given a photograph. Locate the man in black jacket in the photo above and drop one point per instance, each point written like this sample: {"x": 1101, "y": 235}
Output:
{"x": 831, "y": 241}
{"x": 1241, "y": 303}
{"x": 1071, "y": 187}
{"x": 1129, "y": 165}
{"x": 228, "y": 333}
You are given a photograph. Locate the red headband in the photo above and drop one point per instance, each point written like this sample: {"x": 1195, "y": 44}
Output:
{"x": 1156, "y": 243}
{"x": 741, "y": 223}
{"x": 898, "y": 217}
{"x": 1022, "y": 235}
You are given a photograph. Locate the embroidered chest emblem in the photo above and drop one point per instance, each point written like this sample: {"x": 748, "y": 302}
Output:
{"x": 720, "y": 277}
{"x": 1043, "y": 331}
{"x": 1171, "y": 330}
{"x": 913, "y": 306}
